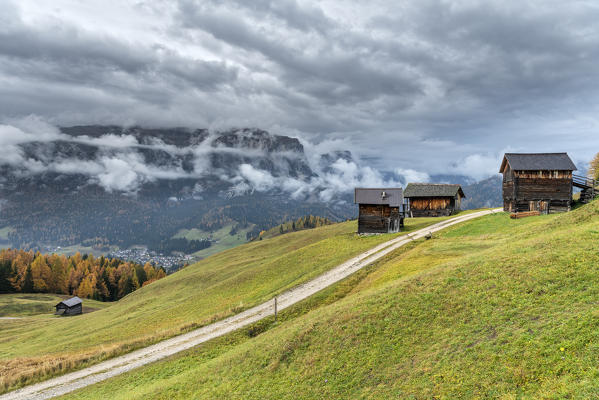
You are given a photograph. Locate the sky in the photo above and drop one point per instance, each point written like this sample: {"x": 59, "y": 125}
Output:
{"x": 424, "y": 87}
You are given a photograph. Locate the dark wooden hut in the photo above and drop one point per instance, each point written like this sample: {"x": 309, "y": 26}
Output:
{"x": 433, "y": 199}
{"x": 72, "y": 306}
{"x": 537, "y": 182}
{"x": 380, "y": 210}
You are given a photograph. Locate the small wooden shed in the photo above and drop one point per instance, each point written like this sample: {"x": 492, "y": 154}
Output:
{"x": 72, "y": 306}
{"x": 433, "y": 199}
{"x": 380, "y": 209}
{"x": 537, "y": 182}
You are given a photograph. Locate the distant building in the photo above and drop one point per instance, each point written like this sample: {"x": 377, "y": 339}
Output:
{"x": 537, "y": 182}
{"x": 433, "y": 199}
{"x": 380, "y": 210}
{"x": 72, "y": 306}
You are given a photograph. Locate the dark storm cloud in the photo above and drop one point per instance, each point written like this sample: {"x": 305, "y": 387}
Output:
{"x": 325, "y": 72}
{"x": 429, "y": 86}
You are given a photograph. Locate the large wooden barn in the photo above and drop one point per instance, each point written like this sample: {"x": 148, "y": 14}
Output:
{"x": 380, "y": 210}
{"x": 537, "y": 182}
{"x": 433, "y": 199}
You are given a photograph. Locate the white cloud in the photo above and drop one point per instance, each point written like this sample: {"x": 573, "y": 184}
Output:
{"x": 478, "y": 166}
{"x": 410, "y": 175}
{"x": 25, "y": 130}
{"x": 259, "y": 180}
{"x": 118, "y": 175}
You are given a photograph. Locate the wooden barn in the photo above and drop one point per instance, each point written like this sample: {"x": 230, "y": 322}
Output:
{"x": 72, "y": 306}
{"x": 537, "y": 182}
{"x": 380, "y": 210}
{"x": 433, "y": 199}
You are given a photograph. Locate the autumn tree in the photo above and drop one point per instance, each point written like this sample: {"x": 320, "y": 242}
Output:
{"x": 593, "y": 171}
{"x": 84, "y": 276}
{"x": 41, "y": 273}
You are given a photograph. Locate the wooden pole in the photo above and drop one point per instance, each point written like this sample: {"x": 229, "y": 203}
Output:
{"x": 275, "y": 309}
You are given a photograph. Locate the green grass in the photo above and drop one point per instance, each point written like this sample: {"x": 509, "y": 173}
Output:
{"x": 222, "y": 238}
{"x": 79, "y": 248}
{"x": 39, "y": 305}
{"x": 5, "y": 231}
{"x": 212, "y": 289}
{"x": 492, "y": 308}
{"x": 4, "y": 236}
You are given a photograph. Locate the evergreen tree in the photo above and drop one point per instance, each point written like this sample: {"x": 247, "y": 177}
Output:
{"x": 6, "y": 275}
{"x": 28, "y": 281}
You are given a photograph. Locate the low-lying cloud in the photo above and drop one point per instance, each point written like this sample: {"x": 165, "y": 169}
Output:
{"x": 118, "y": 164}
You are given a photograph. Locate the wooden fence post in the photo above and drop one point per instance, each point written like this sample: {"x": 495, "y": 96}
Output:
{"x": 275, "y": 309}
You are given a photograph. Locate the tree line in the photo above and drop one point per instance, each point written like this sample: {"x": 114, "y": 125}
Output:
{"x": 85, "y": 276}
{"x": 181, "y": 245}
{"x": 306, "y": 222}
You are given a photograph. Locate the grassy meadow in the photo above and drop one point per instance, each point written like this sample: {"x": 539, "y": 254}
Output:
{"x": 4, "y": 232}
{"x": 21, "y": 305}
{"x": 492, "y": 308}
{"x": 214, "y": 288}
{"x": 222, "y": 238}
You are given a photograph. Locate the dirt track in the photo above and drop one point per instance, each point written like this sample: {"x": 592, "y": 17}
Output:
{"x": 116, "y": 366}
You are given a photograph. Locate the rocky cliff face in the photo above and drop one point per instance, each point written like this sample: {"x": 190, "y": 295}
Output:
{"x": 137, "y": 186}
{"x": 126, "y": 160}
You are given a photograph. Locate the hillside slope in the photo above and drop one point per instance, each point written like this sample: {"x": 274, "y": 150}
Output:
{"x": 493, "y": 308}
{"x": 212, "y": 289}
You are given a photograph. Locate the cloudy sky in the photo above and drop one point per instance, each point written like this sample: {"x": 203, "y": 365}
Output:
{"x": 431, "y": 86}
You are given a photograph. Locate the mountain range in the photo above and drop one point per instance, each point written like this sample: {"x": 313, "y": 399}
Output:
{"x": 106, "y": 186}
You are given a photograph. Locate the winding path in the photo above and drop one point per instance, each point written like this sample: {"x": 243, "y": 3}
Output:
{"x": 119, "y": 365}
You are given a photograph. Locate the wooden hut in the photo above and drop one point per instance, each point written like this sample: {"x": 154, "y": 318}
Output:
{"x": 433, "y": 199}
{"x": 72, "y": 306}
{"x": 537, "y": 182}
{"x": 380, "y": 210}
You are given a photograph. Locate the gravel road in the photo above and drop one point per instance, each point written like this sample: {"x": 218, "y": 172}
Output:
{"x": 119, "y": 365}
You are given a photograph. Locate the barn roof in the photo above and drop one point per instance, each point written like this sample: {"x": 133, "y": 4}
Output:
{"x": 433, "y": 190}
{"x": 73, "y": 301}
{"x": 538, "y": 162}
{"x": 384, "y": 196}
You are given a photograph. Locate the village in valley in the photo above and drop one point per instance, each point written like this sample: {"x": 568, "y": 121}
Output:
{"x": 142, "y": 255}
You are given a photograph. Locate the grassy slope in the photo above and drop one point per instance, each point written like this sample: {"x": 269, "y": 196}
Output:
{"x": 4, "y": 236}
{"x": 212, "y": 289}
{"x": 493, "y": 308}
{"x": 4, "y": 232}
{"x": 38, "y": 305}
{"x": 223, "y": 240}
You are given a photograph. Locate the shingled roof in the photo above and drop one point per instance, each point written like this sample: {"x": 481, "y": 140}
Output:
{"x": 538, "y": 162}
{"x": 433, "y": 190}
{"x": 73, "y": 301}
{"x": 392, "y": 197}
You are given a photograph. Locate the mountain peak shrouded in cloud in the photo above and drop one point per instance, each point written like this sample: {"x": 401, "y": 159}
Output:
{"x": 234, "y": 162}
{"x": 427, "y": 86}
